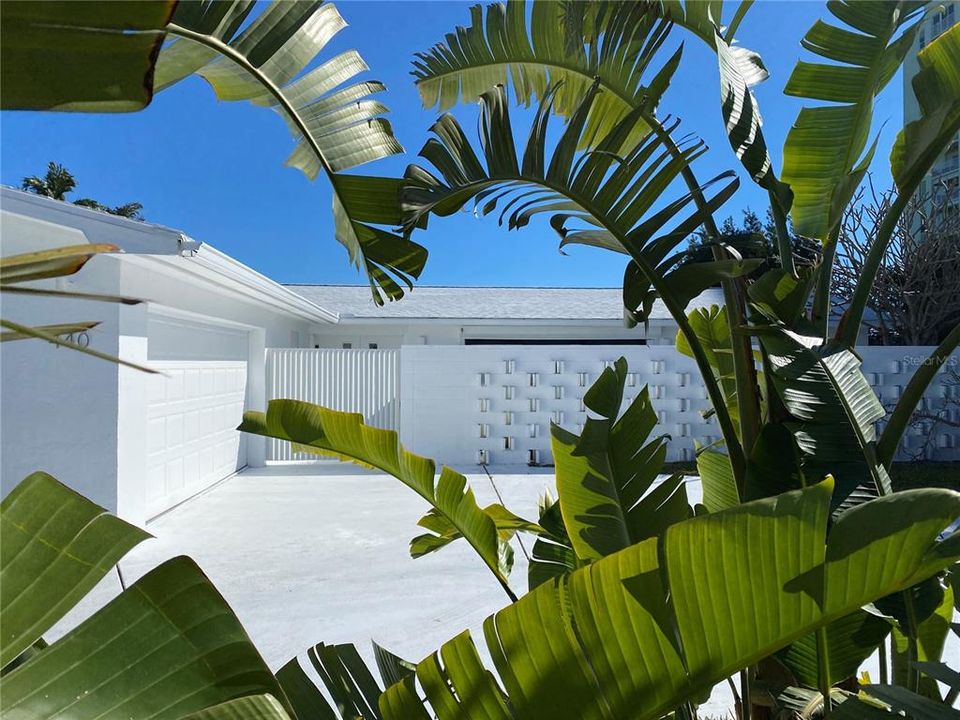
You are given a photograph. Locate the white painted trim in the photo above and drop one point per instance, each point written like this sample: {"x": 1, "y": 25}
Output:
{"x": 347, "y": 320}
{"x": 189, "y": 316}
{"x": 212, "y": 268}
{"x": 132, "y": 236}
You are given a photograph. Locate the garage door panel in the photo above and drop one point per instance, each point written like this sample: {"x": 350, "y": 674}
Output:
{"x": 193, "y": 412}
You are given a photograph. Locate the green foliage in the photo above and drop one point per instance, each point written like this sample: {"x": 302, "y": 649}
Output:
{"x": 263, "y": 58}
{"x": 557, "y": 48}
{"x": 833, "y": 412}
{"x": 605, "y": 475}
{"x": 455, "y": 512}
{"x": 58, "y": 182}
{"x": 697, "y": 610}
{"x": 825, "y": 659}
{"x": 80, "y": 56}
{"x": 937, "y": 88}
{"x": 166, "y": 647}
{"x": 824, "y": 159}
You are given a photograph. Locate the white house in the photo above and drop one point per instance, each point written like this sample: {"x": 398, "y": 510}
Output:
{"x": 488, "y": 316}
{"x": 134, "y": 442}
{"x": 466, "y": 375}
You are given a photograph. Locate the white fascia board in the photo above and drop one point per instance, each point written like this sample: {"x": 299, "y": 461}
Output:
{"x": 212, "y": 268}
{"x": 347, "y": 320}
{"x": 131, "y": 236}
{"x": 227, "y": 267}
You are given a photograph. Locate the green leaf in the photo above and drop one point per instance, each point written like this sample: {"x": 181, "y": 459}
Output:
{"x": 304, "y": 696}
{"x": 553, "y": 49}
{"x": 712, "y": 330}
{"x": 913, "y": 705}
{"x": 741, "y": 116}
{"x": 834, "y": 410}
{"x": 265, "y": 60}
{"x": 56, "y": 546}
{"x": 345, "y": 436}
{"x": 849, "y": 642}
{"x": 937, "y": 88}
{"x": 80, "y": 56}
{"x": 605, "y": 476}
{"x": 774, "y": 464}
{"x": 780, "y": 296}
{"x": 639, "y": 632}
{"x": 824, "y": 157}
{"x": 393, "y": 668}
{"x": 46, "y": 264}
{"x": 553, "y": 555}
{"x": 598, "y": 189}
{"x": 931, "y": 634}
{"x": 716, "y": 477}
{"x": 251, "y": 707}
{"x": 168, "y": 646}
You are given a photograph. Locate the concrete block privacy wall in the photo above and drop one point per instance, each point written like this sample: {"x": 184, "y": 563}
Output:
{"x": 464, "y": 405}
{"x": 467, "y": 404}
{"x": 494, "y": 404}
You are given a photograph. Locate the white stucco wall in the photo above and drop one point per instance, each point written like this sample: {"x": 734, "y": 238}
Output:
{"x": 85, "y": 420}
{"x": 58, "y": 408}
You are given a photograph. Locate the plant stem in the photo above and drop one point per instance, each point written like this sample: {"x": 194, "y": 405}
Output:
{"x": 746, "y": 703}
{"x": 884, "y": 672}
{"x": 823, "y": 676}
{"x": 821, "y": 295}
{"x": 745, "y": 372}
{"x": 913, "y": 674}
{"x": 783, "y": 235}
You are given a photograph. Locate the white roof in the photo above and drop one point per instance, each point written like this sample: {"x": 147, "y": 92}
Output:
{"x": 30, "y": 223}
{"x": 66, "y": 224}
{"x": 487, "y": 303}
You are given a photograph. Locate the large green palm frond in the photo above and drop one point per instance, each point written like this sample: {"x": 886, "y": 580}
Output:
{"x": 596, "y": 197}
{"x": 635, "y": 634}
{"x": 834, "y": 411}
{"x": 555, "y": 47}
{"x": 264, "y": 58}
{"x": 937, "y": 88}
{"x": 454, "y": 513}
{"x": 165, "y": 647}
{"x": 605, "y": 475}
{"x": 826, "y": 152}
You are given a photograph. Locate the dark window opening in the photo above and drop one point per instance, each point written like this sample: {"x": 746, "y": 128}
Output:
{"x": 550, "y": 341}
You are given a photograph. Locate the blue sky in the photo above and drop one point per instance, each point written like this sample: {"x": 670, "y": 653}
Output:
{"x": 215, "y": 170}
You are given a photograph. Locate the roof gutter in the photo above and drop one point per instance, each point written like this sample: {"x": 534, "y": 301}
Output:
{"x": 131, "y": 236}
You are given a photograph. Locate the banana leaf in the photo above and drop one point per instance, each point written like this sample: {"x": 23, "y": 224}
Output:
{"x": 345, "y": 436}
{"x": 166, "y": 647}
{"x": 637, "y": 633}
{"x": 265, "y": 58}
{"x": 80, "y": 55}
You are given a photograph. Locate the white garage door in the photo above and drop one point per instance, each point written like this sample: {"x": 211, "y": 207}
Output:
{"x": 193, "y": 411}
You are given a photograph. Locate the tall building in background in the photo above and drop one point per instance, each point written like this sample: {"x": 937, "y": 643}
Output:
{"x": 944, "y": 177}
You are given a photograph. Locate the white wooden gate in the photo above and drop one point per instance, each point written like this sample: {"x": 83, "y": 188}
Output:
{"x": 363, "y": 381}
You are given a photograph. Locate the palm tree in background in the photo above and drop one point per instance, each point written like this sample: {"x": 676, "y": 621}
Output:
{"x": 58, "y": 182}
